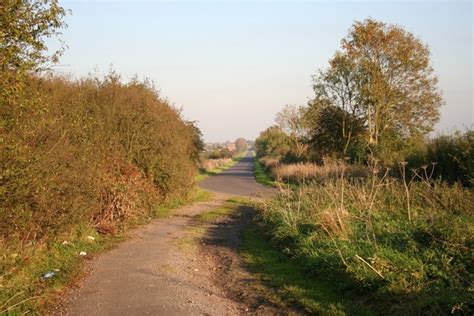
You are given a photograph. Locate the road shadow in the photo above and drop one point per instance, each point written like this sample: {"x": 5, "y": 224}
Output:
{"x": 247, "y": 282}
{"x": 223, "y": 241}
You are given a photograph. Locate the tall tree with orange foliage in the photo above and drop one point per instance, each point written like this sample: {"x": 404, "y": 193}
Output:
{"x": 396, "y": 82}
{"x": 383, "y": 78}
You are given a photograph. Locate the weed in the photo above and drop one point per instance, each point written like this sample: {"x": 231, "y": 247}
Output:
{"x": 407, "y": 264}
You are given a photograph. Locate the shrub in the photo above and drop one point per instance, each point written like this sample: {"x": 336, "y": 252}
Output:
{"x": 273, "y": 142}
{"x": 226, "y": 153}
{"x": 95, "y": 150}
{"x": 454, "y": 156}
{"x": 449, "y": 158}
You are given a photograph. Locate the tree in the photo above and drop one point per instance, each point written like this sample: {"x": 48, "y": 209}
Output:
{"x": 273, "y": 142}
{"x": 241, "y": 145}
{"x": 394, "y": 84}
{"x": 384, "y": 86}
{"x": 24, "y": 26}
{"x": 329, "y": 135}
{"x": 336, "y": 87}
{"x": 198, "y": 143}
{"x": 226, "y": 153}
{"x": 290, "y": 121}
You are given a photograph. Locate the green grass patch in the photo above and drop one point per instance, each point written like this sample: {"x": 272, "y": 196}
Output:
{"x": 261, "y": 176}
{"x": 290, "y": 283}
{"x": 23, "y": 287}
{"x": 287, "y": 281}
{"x": 358, "y": 238}
{"x": 204, "y": 174}
{"x": 214, "y": 214}
{"x": 231, "y": 205}
{"x": 196, "y": 194}
{"x": 190, "y": 240}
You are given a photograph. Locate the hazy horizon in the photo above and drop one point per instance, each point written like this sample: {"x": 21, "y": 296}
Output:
{"x": 233, "y": 66}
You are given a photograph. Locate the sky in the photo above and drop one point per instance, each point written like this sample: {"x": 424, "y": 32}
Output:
{"x": 231, "y": 66}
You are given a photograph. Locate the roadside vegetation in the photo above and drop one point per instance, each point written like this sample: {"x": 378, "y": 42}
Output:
{"x": 261, "y": 176}
{"x": 370, "y": 205}
{"x": 406, "y": 251}
{"x": 217, "y": 158}
{"x": 81, "y": 160}
{"x": 287, "y": 281}
{"x": 34, "y": 275}
{"x": 231, "y": 205}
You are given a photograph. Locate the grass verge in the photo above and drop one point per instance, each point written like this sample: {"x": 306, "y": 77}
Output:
{"x": 285, "y": 280}
{"x": 24, "y": 283}
{"x": 196, "y": 195}
{"x": 207, "y": 173}
{"x": 359, "y": 238}
{"x": 231, "y": 205}
{"x": 289, "y": 283}
{"x": 261, "y": 176}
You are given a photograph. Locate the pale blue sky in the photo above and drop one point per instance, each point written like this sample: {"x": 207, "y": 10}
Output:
{"x": 233, "y": 65}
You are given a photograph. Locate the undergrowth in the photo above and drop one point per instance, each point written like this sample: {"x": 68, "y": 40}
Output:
{"x": 406, "y": 246}
{"x": 288, "y": 282}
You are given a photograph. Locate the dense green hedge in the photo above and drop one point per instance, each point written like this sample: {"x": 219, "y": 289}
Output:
{"x": 93, "y": 150}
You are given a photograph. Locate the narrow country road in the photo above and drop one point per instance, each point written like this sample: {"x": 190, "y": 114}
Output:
{"x": 175, "y": 266}
{"x": 238, "y": 180}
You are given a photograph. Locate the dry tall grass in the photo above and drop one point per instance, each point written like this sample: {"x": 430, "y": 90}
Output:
{"x": 407, "y": 243}
{"x": 269, "y": 163}
{"x": 211, "y": 164}
{"x": 310, "y": 172}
